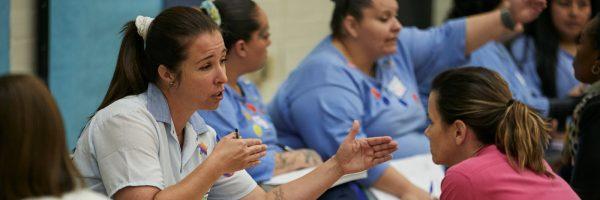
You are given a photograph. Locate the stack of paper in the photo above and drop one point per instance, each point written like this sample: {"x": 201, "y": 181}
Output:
{"x": 290, "y": 176}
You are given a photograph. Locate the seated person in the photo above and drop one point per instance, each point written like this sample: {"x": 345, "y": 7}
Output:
{"x": 33, "y": 151}
{"x": 493, "y": 144}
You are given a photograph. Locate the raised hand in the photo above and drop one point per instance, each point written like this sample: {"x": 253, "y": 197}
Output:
{"x": 355, "y": 155}
{"x": 525, "y": 11}
{"x": 233, "y": 154}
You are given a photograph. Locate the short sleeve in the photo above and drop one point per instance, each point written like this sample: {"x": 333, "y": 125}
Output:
{"x": 127, "y": 152}
{"x": 234, "y": 187}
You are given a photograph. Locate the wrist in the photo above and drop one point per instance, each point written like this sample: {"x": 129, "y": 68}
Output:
{"x": 336, "y": 166}
{"x": 214, "y": 165}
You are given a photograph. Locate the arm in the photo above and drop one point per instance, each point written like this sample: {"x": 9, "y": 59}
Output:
{"x": 488, "y": 26}
{"x": 288, "y": 161}
{"x": 354, "y": 155}
{"x": 391, "y": 181}
{"x": 229, "y": 155}
{"x": 326, "y": 130}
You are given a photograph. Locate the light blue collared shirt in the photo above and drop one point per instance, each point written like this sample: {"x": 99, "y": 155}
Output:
{"x": 316, "y": 105}
{"x": 494, "y": 56}
{"x": 247, "y": 114}
{"x": 131, "y": 143}
{"x": 524, "y": 52}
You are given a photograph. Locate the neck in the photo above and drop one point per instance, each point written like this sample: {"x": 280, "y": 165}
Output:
{"x": 470, "y": 151}
{"x": 569, "y": 46}
{"x": 234, "y": 66}
{"x": 356, "y": 55}
{"x": 180, "y": 113}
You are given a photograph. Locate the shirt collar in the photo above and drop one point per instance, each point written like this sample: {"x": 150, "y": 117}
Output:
{"x": 158, "y": 107}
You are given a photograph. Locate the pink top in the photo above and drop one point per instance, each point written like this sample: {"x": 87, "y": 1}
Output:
{"x": 488, "y": 175}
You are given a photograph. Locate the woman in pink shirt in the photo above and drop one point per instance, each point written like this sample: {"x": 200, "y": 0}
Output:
{"x": 494, "y": 145}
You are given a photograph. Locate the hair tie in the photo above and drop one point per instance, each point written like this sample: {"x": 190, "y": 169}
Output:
{"x": 209, "y": 7}
{"x": 510, "y": 103}
{"x": 142, "y": 24}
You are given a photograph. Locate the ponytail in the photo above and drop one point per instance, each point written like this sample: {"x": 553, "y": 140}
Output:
{"x": 481, "y": 99}
{"x": 166, "y": 41}
{"x": 128, "y": 78}
{"x": 522, "y": 134}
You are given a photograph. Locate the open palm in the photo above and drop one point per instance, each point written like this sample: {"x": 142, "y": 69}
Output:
{"x": 355, "y": 155}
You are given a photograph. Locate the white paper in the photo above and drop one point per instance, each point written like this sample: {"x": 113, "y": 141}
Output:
{"x": 291, "y": 176}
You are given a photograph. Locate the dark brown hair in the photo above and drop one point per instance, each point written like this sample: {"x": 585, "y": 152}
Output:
{"x": 344, "y": 8}
{"x": 33, "y": 151}
{"x": 481, "y": 99}
{"x": 238, "y": 20}
{"x": 167, "y": 40}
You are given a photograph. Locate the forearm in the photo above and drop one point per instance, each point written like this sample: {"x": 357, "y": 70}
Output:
{"x": 310, "y": 186}
{"x": 483, "y": 28}
{"x": 391, "y": 181}
{"x": 293, "y": 160}
{"x": 195, "y": 185}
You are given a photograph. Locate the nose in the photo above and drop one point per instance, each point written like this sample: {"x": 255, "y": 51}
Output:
{"x": 221, "y": 75}
{"x": 397, "y": 26}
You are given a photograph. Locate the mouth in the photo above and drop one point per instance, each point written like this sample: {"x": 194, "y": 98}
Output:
{"x": 218, "y": 95}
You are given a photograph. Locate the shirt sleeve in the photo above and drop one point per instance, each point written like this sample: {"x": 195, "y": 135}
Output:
{"x": 587, "y": 162}
{"x": 324, "y": 116}
{"x": 435, "y": 49}
{"x": 234, "y": 187}
{"x": 127, "y": 152}
{"x": 456, "y": 186}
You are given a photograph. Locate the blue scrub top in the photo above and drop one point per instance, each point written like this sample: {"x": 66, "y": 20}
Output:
{"x": 523, "y": 50}
{"x": 247, "y": 114}
{"x": 495, "y": 56}
{"x": 316, "y": 105}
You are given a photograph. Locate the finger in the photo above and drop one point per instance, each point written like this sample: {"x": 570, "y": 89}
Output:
{"x": 379, "y": 154}
{"x": 252, "y": 164}
{"x": 378, "y": 140}
{"x": 229, "y": 136}
{"x": 387, "y": 146}
{"x": 380, "y": 160}
{"x": 255, "y": 157}
{"x": 353, "y": 131}
{"x": 256, "y": 149}
{"x": 251, "y": 142}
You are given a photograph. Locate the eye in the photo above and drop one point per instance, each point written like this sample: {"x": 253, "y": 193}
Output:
{"x": 205, "y": 67}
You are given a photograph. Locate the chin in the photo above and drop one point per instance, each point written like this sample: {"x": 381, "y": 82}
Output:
{"x": 212, "y": 106}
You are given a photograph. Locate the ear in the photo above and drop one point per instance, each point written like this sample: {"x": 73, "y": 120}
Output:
{"x": 240, "y": 48}
{"x": 351, "y": 26}
{"x": 459, "y": 129}
{"x": 165, "y": 75}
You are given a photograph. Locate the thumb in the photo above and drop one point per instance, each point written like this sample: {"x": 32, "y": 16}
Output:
{"x": 354, "y": 130}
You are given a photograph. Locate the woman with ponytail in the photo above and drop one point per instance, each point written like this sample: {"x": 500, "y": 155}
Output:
{"x": 493, "y": 144}
{"x": 146, "y": 140}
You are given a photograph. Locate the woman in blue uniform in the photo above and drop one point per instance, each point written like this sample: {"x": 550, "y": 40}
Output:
{"x": 246, "y": 35}
{"x": 370, "y": 70}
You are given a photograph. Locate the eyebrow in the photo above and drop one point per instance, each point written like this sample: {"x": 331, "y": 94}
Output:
{"x": 211, "y": 55}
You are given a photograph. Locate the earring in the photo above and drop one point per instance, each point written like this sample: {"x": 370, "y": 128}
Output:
{"x": 171, "y": 83}
{"x": 596, "y": 69}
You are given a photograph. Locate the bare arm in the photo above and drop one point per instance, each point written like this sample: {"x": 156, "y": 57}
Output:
{"x": 391, "y": 181}
{"x": 352, "y": 156}
{"x": 488, "y": 26}
{"x": 297, "y": 159}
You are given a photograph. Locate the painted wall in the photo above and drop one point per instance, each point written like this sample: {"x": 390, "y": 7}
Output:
{"x": 4, "y": 38}
{"x": 84, "y": 44}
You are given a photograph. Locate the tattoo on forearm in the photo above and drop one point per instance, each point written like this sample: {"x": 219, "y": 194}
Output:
{"x": 278, "y": 193}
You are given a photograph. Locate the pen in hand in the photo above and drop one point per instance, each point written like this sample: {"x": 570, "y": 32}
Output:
{"x": 237, "y": 134}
